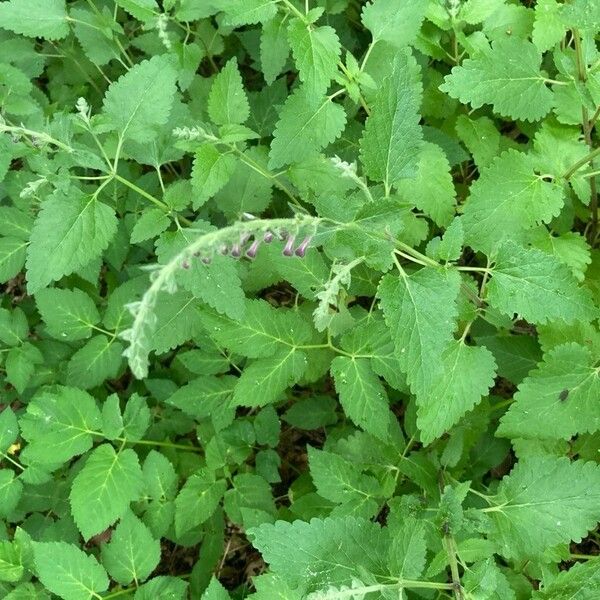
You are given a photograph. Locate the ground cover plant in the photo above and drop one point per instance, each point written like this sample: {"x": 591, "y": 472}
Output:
{"x": 299, "y": 299}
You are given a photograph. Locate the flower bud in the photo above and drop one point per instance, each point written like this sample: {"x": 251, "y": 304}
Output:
{"x": 288, "y": 250}
{"x": 224, "y": 250}
{"x": 268, "y": 237}
{"x": 251, "y": 252}
{"x": 185, "y": 264}
{"x": 206, "y": 260}
{"x": 236, "y": 250}
{"x": 301, "y": 249}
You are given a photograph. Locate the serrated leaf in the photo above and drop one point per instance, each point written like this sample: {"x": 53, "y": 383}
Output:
{"x": 274, "y": 48}
{"x": 11, "y": 564}
{"x": 143, "y": 10}
{"x": 35, "y": 18}
{"x": 227, "y": 101}
{"x": 307, "y": 123}
{"x": 249, "y": 12}
{"x": 104, "y": 488}
{"x": 197, "y": 500}
{"x": 140, "y": 102}
{"x": 321, "y": 552}
{"x": 12, "y": 257}
{"x": 64, "y": 421}
{"x": 581, "y": 581}
{"x": 70, "y": 231}
{"x": 316, "y": 51}
{"x": 98, "y": 360}
{"x": 498, "y": 205}
{"x": 392, "y": 136}
{"x": 272, "y": 376}
{"x": 202, "y": 397}
{"x": 507, "y": 76}
{"x": 152, "y": 222}
{"x": 215, "y": 591}
{"x": 169, "y": 588}
{"x": 544, "y": 501}
{"x": 397, "y": 24}
{"x": 68, "y": 314}
{"x": 468, "y": 374}
{"x": 132, "y": 553}
{"x": 548, "y": 28}
{"x": 21, "y": 364}
{"x": 562, "y": 393}
{"x": 68, "y": 572}
{"x": 14, "y": 327}
{"x": 212, "y": 170}
{"x": 537, "y": 287}
{"x": 362, "y": 394}
{"x": 420, "y": 311}
{"x": 481, "y": 137}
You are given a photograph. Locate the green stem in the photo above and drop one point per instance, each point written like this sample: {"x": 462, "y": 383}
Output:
{"x": 583, "y": 556}
{"x": 581, "y": 162}
{"x": 40, "y": 135}
{"x": 142, "y": 192}
{"x": 187, "y": 447}
{"x": 12, "y": 461}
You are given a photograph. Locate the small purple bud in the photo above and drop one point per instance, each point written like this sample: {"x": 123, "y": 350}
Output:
{"x": 236, "y": 251}
{"x": 251, "y": 252}
{"x": 196, "y": 254}
{"x": 288, "y": 250}
{"x": 301, "y": 249}
{"x": 224, "y": 250}
{"x": 282, "y": 234}
{"x": 206, "y": 260}
{"x": 185, "y": 264}
{"x": 268, "y": 237}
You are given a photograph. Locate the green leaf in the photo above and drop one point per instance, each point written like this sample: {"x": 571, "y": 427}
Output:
{"x": 408, "y": 549}
{"x": 204, "y": 396}
{"x": 468, "y": 374}
{"x": 68, "y": 314}
{"x": 152, "y": 222}
{"x": 307, "y": 123}
{"x": 21, "y": 364}
{"x": 132, "y": 553}
{"x": 14, "y": 327}
{"x": 562, "y": 393}
{"x": 316, "y": 51}
{"x": 215, "y": 591}
{"x": 432, "y": 190}
{"x": 12, "y": 257}
{"x": 537, "y": 287}
{"x": 163, "y": 587}
{"x": 581, "y": 581}
{"x": 481, "y": 137}
{"x": 362, "y": 394}
{"x": 68, "y": 572}
{"x": 9, "y": 428}
{"x": 392, "y": 137}
{"x": 70, "y": 231}
{"x": 198, "y": 500}
{"x": 35, "y": 18}
{"x": 322, "y": 552}
{"x": 499, "y": 205}
{"x": 507, "y": 76}
{"x": 143, "y": 10}
{"x": 274, "y": 48}
{"x": 11, "y": 562}
{"x": 212, "y": 170}
{"x": 227, "y": 101}
{"x": 420, "y": 311}
{"x": 104, "y": 488}
{"x": 397, "y": 24}
{"x": 548, "y": 28}
{"x": 544, "y": 501}
{"x": 98, "y": 360}
{"x": 272, "y": 376}
{"x": 63, "y": 420}
{"x": 249, "y": 12}
{"x": 140, "y": 102}
{"x": 263, "y": 332}
{"x": 160, "y": 477}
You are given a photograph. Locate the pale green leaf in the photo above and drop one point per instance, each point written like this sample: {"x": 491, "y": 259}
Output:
{"x": 580, "y": 582}
{"x": 248, "y": 12}
{"x": 104, "y": 488}
{"x": 392, "y": 137}
{"x": 12, "y": 257}
{"x": 152, "y": 222}
{"x": 393, "y": 22}
{"x": 215, "y": 591}
{"x": 227, "y": 101}
{"x": 140, "y": 102}
{"x": 212, "y": 170}
{"x": 35, "y": 18}
{"x": 143, "y": 10}
{"x": 68, "y": 572}
{"x": 68, "y": 314}
{"x": 70, "y": 231}
{"x": 98, "y": 360}
{"x": 163, "y": 588}
{"x": 548, "y": 28}
{"x": 537, "y": 287}
{"x": 274, "y": 48}
{"x": 307, "y": 123}
{"x": 11, "y": 563}
{"x": 507, "y": 76}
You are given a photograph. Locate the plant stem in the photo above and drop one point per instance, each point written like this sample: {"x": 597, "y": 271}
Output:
{"x": 581, "y": 162}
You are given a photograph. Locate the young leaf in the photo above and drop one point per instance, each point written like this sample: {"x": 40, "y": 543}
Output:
{"x": 70, "y": 231}
{"x": 307, "y": 123}
{"x": 397, "y": 24}
{"x": 139, "y": 102}
{"x": 392, "y": 137}
{"x": 227, "y": 101}
{"x": 507, "y": 76}
{"x": 316, "y": 51}
{"x": 104, "y": 488}
{"x": 132, "y": 553}
{"x": 98, "y": 360}
{"x": 68, "y": 572}
{"x": 274, "y": 48}
{"x": 561, "y": 392}
{"x": 12, "y": 257}
{"x": 212, "y": 170}
{"x": 248, "y": 12}
{"x": 544, "y": 501}
{"x": 35, "y": 18}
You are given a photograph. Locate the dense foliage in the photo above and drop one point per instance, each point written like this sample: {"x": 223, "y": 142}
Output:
{"x": 299, "y": 299}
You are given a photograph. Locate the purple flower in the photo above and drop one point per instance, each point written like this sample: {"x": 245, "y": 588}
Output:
{"x": 206, "y": 260}
{"x": 268, "y": 237}
{"x": 185, "y": 264}
{"x": 224, "y": 250}
{"x": 301, "y": 249}
{"x": 251, "y": 252}
{"x": 236, "y": 250}
{"x": 288, "y": 249}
